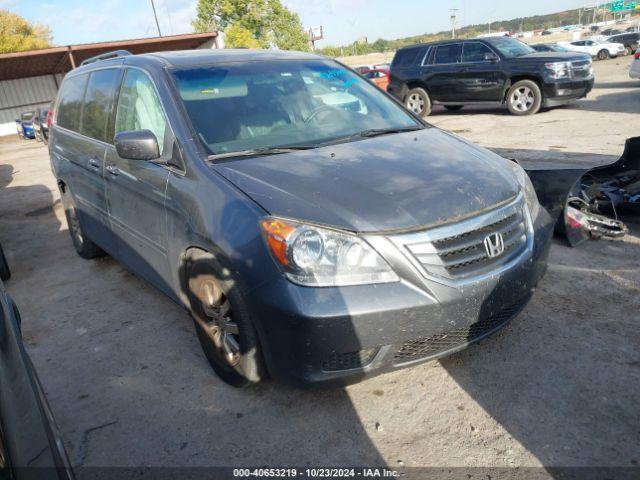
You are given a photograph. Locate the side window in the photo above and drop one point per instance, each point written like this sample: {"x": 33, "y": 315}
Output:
{"x": 139, "y": 107}
{"x": 474, "y": 52}
{"x": 447, "y": 54}
{"x": 98, "y": 101}
{"x": 405, "y": 58}
{"x": 70, "y": 105}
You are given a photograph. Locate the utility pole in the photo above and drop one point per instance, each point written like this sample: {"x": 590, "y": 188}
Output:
{"x": 155, "y": 15}
{"x": 454, "y": 14}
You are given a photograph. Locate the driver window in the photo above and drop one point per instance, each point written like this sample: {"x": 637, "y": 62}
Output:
{"x": 139, "y": 107}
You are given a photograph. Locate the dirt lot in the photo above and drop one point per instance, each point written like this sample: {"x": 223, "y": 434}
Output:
{"x": 560, "y": 386}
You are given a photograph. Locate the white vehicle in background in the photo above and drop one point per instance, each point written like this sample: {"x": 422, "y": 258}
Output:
{"x": 634, "y": 72}
{"x": 599, "y": 49}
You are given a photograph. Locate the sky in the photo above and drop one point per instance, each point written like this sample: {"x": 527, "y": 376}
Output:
{"x": 343, "y": 21}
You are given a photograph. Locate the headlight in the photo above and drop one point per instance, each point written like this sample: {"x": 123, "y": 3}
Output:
{"x": 558, "y": 70}
{"x": 530, "y": 195}
{"x": 321, "y": 257}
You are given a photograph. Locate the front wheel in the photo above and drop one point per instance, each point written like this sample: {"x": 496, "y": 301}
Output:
{"x": 225, "y": 330}
{"x": 418, "y": 101}
{"x": 603, "y": 54}
{"x": 524, "y": 98}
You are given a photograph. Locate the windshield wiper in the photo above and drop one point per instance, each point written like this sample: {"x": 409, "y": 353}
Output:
{"x": 376, "y": 132}
{"x": 261, "y": 152}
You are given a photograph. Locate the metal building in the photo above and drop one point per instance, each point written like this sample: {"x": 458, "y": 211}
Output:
{"x": 30, "y": 79}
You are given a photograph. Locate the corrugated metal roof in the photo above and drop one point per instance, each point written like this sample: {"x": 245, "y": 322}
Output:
{"x": 62, "y": 59}
{"x": 17, "y": 96}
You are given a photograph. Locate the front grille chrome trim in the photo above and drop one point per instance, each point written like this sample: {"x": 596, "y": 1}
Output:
{"x": 421, "y": 250}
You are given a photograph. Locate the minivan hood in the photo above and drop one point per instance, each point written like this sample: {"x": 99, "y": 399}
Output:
{"x": 394, "y": 182}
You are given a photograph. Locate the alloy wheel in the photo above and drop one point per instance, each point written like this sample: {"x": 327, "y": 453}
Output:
{"x": 415, "y": 103}
{"x": 74, "y": 225}
{"x": 522, "y": 99}
{"x": 219, "y": 324}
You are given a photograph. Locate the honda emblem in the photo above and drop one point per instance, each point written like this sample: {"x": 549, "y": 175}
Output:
{"x": 494, "y": 245}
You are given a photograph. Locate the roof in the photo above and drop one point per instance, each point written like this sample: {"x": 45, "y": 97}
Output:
{"x": 195, "y": 57}
{"x": 63, "y": 59}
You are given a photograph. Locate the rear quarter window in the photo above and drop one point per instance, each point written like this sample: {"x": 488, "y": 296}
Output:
{"x": 407, "y": 57}
{"x": 70, "y": 105}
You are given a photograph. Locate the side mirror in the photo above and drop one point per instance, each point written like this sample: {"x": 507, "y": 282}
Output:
{"x": 491, "y": 57}
{"x": 137, "y": 145}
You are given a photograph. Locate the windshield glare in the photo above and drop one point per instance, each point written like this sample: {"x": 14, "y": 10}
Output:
{"x": 511, "y": 48}
{"x": 270, "y": 104}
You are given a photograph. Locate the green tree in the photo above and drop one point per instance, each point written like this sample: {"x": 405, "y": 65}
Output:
{"x": 17, "y": 34}
{"x": 239, "y": 37}
{"x": 268, "y": 22}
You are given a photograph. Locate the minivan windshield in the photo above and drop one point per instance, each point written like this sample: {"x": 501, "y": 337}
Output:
{"x": 259, "y": 105}
{"x": 510, "y": 47}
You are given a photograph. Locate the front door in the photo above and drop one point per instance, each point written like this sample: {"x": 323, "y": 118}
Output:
{"x": 480, "y": 80}
{"x": 136, "y": 189}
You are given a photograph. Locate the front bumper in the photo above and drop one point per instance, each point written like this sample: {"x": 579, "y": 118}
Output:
{"x": 337, "y": 336}
{"x": 560, "y": 93}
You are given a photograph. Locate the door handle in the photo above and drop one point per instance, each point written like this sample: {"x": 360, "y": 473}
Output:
{"x": 113, "y": 170}
{"x": 94, "y": 162}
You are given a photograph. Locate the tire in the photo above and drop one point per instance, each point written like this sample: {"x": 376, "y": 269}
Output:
{"x": 418, "y": 101}
{"x": 628, "y": 50}
{"x": 5, "y": 272}
{"x": 603, "y": 54}
{"x": 453, "y": 108}
{"x": 524, "y": 98}
{"x": 223, "y": 324}
{"x": 83, "y": 244}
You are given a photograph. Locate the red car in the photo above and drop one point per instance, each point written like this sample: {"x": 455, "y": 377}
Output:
{"x": 378, "y": 76}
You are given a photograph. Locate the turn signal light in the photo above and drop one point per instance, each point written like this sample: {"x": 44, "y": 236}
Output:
{"x": 277, "y": 232}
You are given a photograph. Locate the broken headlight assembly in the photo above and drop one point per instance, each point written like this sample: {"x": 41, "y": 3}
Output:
{"x": 321, "y": 257}
{"x": 528, "y": 190}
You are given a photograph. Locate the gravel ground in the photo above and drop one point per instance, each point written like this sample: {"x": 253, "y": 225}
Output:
{"x": 123, "y": 371}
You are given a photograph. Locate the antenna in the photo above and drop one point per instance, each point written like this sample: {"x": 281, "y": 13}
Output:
{"x": 155, "y": 15}
{"x": 454, "y": 16}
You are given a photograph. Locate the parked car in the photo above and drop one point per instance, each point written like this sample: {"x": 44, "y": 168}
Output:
{"x": 549, "y": 47}
{"x": 611, "y": 31}
{"x": 600, "y": 49}
{"x": 489, "y": 70}
{"x": 30, "y": 443}
{"x": 546, "y": 32}
{"x": 630, "y": 41}
{"x": 40, "y": 127}
{"x": 633, "y": 28}
{"x": 379, "y": 77}
{"x": 634, "y": 71}
{"x": 24, "y": 125}
{"x": 363, "y": 68}
{"x": 318, "y": 243}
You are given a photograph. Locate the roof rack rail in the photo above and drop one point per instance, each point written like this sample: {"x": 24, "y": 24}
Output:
{"x": 106, "y": 56}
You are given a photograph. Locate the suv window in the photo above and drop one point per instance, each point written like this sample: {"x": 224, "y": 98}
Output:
{"x": 98, "y": 101}
{"x": 406, "y": 57}
{"x": 474, "y": 52}
{"x": 70, "y": 106}
{"x": 139, "y": 107}
{"x": 447, "y": 54}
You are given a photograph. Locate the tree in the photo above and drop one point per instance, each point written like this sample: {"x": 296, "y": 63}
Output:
{"x": 236, "y": 36}
{"x": 18, "y": 34}
{"x": 267, "y": 22}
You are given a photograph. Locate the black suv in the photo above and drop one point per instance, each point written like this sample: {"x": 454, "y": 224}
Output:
{"x": 500, "y": 70}
{"x": 631, "y": 41}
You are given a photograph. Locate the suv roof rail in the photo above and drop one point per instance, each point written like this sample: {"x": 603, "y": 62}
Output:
{"x": 106, "y": 56}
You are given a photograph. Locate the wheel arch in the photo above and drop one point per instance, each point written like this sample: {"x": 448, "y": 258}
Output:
{"x": 517, "y": 78}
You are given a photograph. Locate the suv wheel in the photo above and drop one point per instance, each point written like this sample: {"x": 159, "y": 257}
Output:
{"x": 223, "y": 325}
{"x": 83, "y": 245}
{"x": 603, "y": 54}
{"x": 418, "y": 101}
{"x": 524, "y": 98}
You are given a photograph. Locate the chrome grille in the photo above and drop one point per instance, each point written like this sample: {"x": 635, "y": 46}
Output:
{"x": 580, "y": 69}
{"x": 457, "y": 252}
